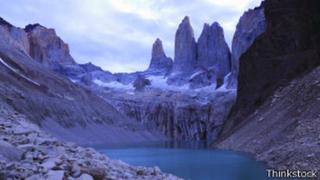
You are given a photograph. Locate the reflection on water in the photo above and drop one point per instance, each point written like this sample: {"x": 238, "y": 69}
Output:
{"x": 189, "y": 160}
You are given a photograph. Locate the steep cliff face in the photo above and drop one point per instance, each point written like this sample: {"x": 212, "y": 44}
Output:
{"x": 160, "y": 64}
{"x": 179, "y": 116}
{"x": 46, "y": 47}
{"x": 284, "y": 131}
{"x": 276, "y": 115}
{"x": 251, "y": 24}
{"x": 185, "y": 48}
{"x": 213, "y": 51}
{"x": 287, "y": 49}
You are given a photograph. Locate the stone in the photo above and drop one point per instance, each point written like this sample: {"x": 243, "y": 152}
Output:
{"x": 49, "y": 163}
{"x": 55, "y": 175}
{"x": 213, "y": 51}
{"x": 10, "y": 152}
{"x": 160, "y": 64}
{"x": 75, "y": 170}
{"x": 46, "y": 47}
{"x": 283, "y": 52}
{"x": 185, "y": 48}
{"x": 251, "y": 25}
{"x": 85, "y": 177}
{"x": 34, "y": 177}
{"x": 18, "y": 37}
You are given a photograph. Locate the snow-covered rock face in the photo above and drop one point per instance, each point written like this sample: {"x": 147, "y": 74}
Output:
{"x": 213, "y": 51}
{"x": 160, "y": 64}
{"x": 185, "y": 48}
{"x": 250, "y": 26}
{"x": 46, "y": 47}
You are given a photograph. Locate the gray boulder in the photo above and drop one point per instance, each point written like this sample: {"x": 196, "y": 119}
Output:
{"x": 9, "y": 152}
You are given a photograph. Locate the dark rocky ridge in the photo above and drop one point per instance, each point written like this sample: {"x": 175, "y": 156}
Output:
{"x": 276, "y": 115}
{"x": 5, "y": 23}
{"x": 251, "y": 24}
{"x": 284, "y": 131}
{"x": 284, "y": 51}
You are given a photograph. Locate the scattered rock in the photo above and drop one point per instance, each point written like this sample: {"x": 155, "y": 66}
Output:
{"x": 55, "y": 175}
{"x": 85, "y": 177}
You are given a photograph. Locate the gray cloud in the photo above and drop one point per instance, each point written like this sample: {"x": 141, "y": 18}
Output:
{"x": 118, "y": 35}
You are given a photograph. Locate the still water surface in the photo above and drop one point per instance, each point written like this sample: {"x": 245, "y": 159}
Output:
{"x": 192, "y": 161}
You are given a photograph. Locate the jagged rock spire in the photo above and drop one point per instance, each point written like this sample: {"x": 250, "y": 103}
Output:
{"x": 157, "y": 49}
{"x": 213, "y": 51}
{"x": 185, "y": 47}
{"x": 160, "y": 63}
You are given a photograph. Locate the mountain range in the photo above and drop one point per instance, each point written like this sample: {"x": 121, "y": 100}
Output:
{"x": 261, "y": 97}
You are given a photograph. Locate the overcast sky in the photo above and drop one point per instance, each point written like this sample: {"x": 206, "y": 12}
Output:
{"x": 118, "y": 34}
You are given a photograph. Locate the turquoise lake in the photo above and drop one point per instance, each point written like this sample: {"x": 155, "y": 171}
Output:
{"x": 192, "y": 161}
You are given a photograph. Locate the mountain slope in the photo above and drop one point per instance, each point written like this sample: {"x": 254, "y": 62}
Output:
{"x": 280, "y": 54}
{"x": 276, "y": 115}
{"x": 284, "y": 131}
{"x": 28, "y": 152}
{"x": 55, "y": 103}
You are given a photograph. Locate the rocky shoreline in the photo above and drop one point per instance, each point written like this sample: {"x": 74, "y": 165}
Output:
{"x": 29, "y": 153}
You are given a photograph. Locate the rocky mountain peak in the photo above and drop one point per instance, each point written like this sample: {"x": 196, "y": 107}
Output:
{"x": 185, "y": 47}
{"x": 213, "y": 51}
{"x": 47, "y": 47}
{"x": 31, "y": 27}
{"x": 5, "y": 23}
{"x": 157, "y": 49}
{"x": 206, "y": 29}
{"x": 186, "y": 21}
{"x": 216, "y": 25}
{"x": 159, "y": 63}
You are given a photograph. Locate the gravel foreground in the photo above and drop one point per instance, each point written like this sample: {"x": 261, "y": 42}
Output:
{"x": 26, "y": 152}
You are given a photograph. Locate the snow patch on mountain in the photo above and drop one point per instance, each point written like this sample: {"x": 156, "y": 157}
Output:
{"x": 18, "y": 73}
{"x": 114, "y": 84}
